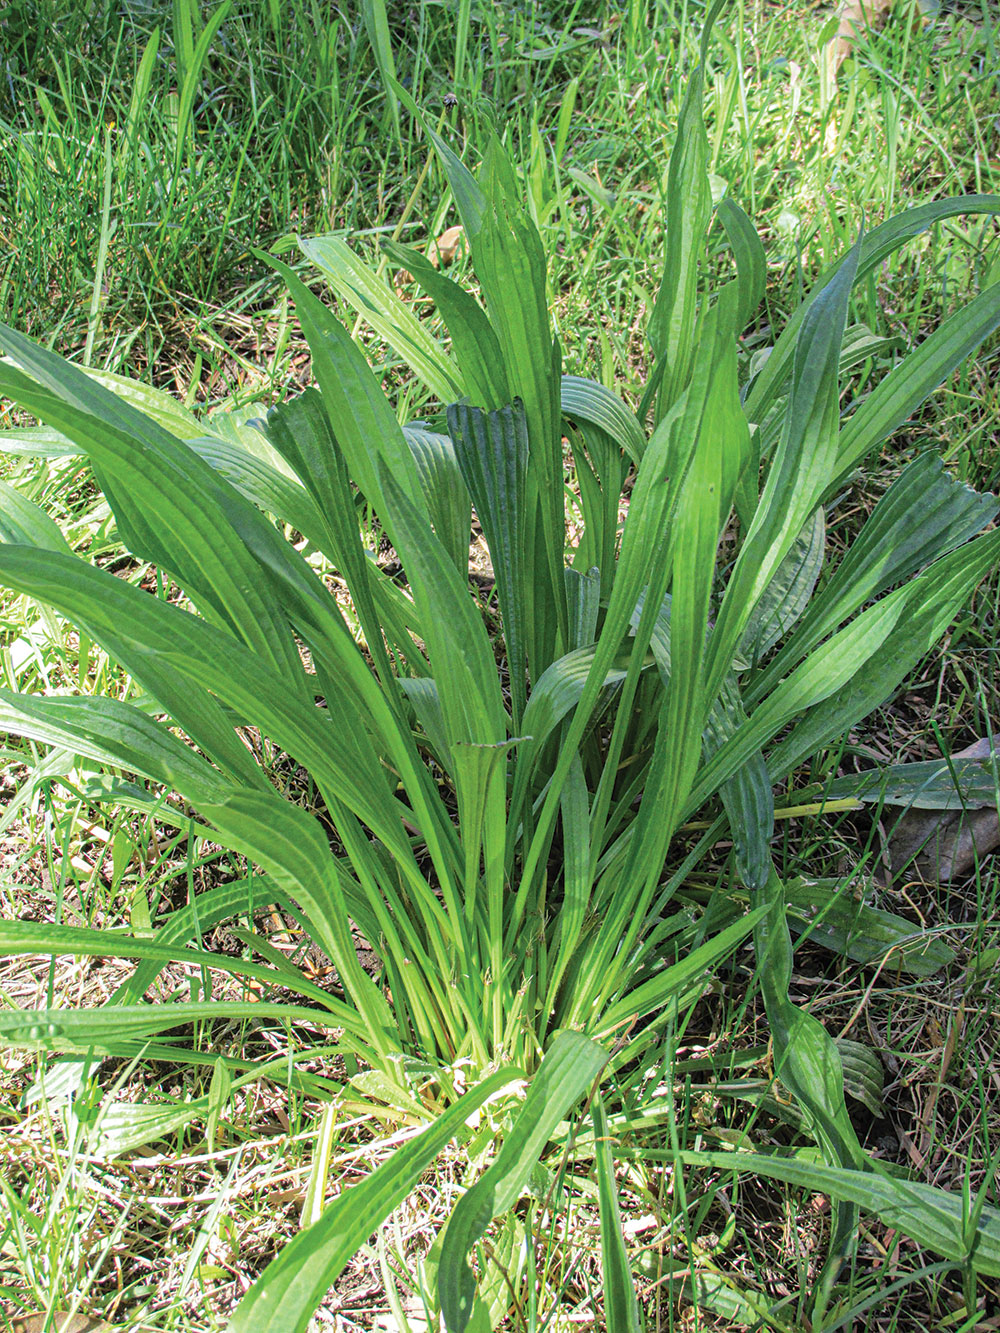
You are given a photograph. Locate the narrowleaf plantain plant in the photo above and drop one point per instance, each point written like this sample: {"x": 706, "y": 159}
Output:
{"x": 499, "y": 833}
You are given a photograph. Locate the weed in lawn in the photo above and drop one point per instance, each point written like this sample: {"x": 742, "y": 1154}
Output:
{"x": 682, "y": 1185}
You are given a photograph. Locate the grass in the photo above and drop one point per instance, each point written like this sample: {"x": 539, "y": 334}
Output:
{"x": 167, "y": 1233}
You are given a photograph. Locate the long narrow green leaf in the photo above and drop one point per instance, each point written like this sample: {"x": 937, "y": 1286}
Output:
{"x": 23, "y": 523}
{"x": 458, "y": 645}
{"x": 293, "y": 848}
{"x": 577, "y": 882}
{"x": 393, "y": 320}
{"x": 377, "y": 26}
{"x": 474, "y": 344}
{"x": 492, "y": 452}
{"x": 590, "y": 403}
{"x": 807, "y": 1061}
{"x": 510, "y": 264}
{"x": 569, "y": 1067}
{"x": 747, "y": 797}
{"x": 444, "y": 487}
{"x": 272, "y": 490}
{"x": 191, "y": 72}
{"x": 800, "y": 471}
{"x": 751, "y": 261}
{"x": 114, "y": 733}
{"x": 934, "y": 1218}
{"x": 788, "y": 594}
{"x": 875, "y": 247}
{"x": 171, "y": 507}
{"x": 86, "y": 1030}
{"x": 359, "y": 414}
{"x": 833, "y": 918}
{"x": 621, "y": 1309}
{"x": 301, "y": 432}
{"x": 156, "y": 639}
{"x": 688, "y": 210}
{"x": 712, "y": 425}
{"x": 672, "y": 983}
{"x": 44, "y": 937}
{"x": 469, "y": 198}
{"x": 932, "y": 600}
{"x": 902, "y": 391}
{"x": 923, "y": 515}
{"x": 831, "y": 667}
{"x": 935, "y": 784}
{"x": 294, "y": 1283}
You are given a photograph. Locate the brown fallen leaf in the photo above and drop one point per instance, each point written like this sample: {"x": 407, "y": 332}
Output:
{"x": 443, "y": 250}
{"x": 439, "y": 252}
{"x": 853, "y": 16}
{"x": 946, "y": 843}
{"x": 60, "y": 1323}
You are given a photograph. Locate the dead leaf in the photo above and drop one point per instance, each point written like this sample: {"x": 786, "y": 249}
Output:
{"x": 60, "y": 1323}
{"x": 853, "y": 17}
{"x": 439, "y": 252}
{"x": 443, "y": 250}
{"x": 946, "y": 843}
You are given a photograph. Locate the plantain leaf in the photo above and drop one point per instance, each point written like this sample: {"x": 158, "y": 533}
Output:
{"x": 45, "y": 937}
{"x": 924, "y": 514}
{"x": 800, "y": 471}
{"x": 808, "y": 1062}
{"x": 292, "y": 846}
{"x": 751, "y": 261}
{"x": 833, "y": 667}
{"x": 787, "y": 595}
{"x": 458, "y": 645}
{"x": 678, "y": 979}
{"x": 359, "y": 415}
{"x": 180, "y": 658}
{"x": 591, "y": 404}
{"x": 934, "y": 1218}
{"x": 712, "y": 424}
{"x": 880, "y": 242}
{"x": 22, "y": 523}
{"x": 671, "y": 328}
{"x": 390, "y": 317}
{"x": 930, "y": 603}
{"x": 936, "y": 784}
{"x": 568, "y": 1069}
{"x": 473, "y": 343}
{"x": 864, "y": 1077}
{"x": 295, "y": 1282}
{"x": 271, "y": 489}
{"x": 96, "y": 1031}
{"x": 492, "y": 453}
{"x": 621, "y": 1309}
{"x": 913, "y": 381}
{"x": 113, "y": 733}
{"x": 510, "y": 264}
{"x": 583, "y": 596}
{"x": 747, "y": 797}
{"x": 469, "y": 198}
{"x": 301, "y": 433}
{"x": 833, "y": 918}
{"x": 170, "y": 506}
